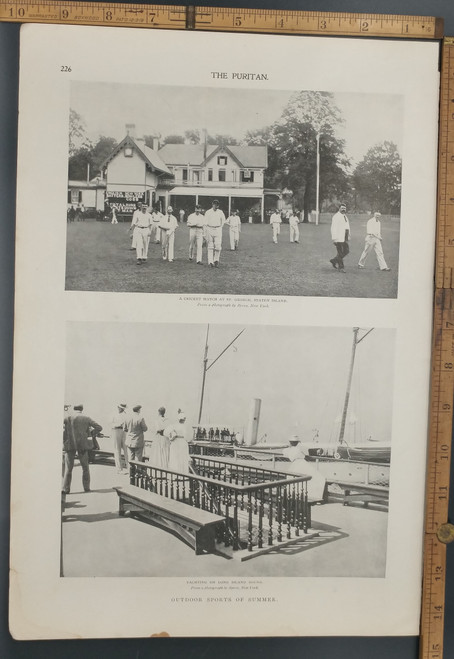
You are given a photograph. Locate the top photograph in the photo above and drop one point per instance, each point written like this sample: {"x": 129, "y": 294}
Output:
{"x": 194, "y": 190}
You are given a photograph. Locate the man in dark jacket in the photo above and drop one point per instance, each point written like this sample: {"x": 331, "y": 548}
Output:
{"x": 77, "y": 428}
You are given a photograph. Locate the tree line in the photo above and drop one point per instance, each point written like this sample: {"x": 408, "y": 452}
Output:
{"x": 308, "y": 118}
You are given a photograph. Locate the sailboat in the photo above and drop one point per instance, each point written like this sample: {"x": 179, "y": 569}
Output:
{"x": 365, "y": 451}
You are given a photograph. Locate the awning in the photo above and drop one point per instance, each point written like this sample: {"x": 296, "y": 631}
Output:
{"x": 217, "y": 192}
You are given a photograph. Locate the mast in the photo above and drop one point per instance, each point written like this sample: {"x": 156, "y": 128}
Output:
{"x": 205, "y": 362}
{"x": 349, "y": 383}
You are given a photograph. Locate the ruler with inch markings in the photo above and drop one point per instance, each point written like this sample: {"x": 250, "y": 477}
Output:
{"x": 223, "y": 19}
{"x": 437, "y": 531}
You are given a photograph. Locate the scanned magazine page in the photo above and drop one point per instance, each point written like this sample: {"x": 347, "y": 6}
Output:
{"x": 223, "y": 321}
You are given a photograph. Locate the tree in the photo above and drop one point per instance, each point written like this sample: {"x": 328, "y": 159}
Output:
{"x": 77, "y": 135}
{"x": 87, "y": 160}
{"x": 192, "y": 136}
{"x": 222, "y": 140}
{"x": 294, "y": 139}
{"x": 377, "y": 179}
{"x": 173, "y": 139}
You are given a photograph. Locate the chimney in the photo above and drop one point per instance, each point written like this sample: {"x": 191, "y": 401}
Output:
{"x": 253, "y": 422}
{"x": 155, "y": 143}
{"x": 131, "y": 130}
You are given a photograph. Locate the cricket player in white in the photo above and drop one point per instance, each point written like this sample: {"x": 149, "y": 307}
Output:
{"x": 214, "y": 220}
{"x": 373, "y": 242}
{"x": 196, "y": 224}
{"x": 168, "y": 225}
{"x": 276, "y": 221}
{"x": 156, "y": 216}
{"x": 294, "y": 231}
{"x": 141, "y": 227}
{"x": 234, "y": 223}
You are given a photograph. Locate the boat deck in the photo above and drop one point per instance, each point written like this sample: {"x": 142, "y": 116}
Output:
{"x": 96, "y": 541}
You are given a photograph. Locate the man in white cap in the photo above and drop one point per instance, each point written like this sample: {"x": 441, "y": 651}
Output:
{"x": 214, "y": 220}
{"x": 179, "y": 450}
{"x": 168, "y": 226}
{"x": 340, "y": 235}
{"x": 119, "y": 438}
{"x": 156, "y": 217}
{"x": 196, "y": 224}
{"x": 234, "y": 223}
{"x": 135, "y": 428}
{"x": 141, "y": 227}
{"x": 294, "y": 230}
{"x": 275, "y": 222}
{"x": 373, "y": 242}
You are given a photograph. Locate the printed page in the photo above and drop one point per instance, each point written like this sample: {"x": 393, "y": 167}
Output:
{"x": 223, "y": 333}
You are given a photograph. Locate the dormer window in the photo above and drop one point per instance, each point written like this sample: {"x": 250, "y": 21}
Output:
{"x": 128, "y": 152}
{"x": 222, "y": 161}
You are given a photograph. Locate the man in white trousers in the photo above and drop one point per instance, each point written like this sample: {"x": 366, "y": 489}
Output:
{"x": 373, "y": 242}
{"x": 276, "y": 221}
{"x": 156, "y": 216}
{"x": 141, "y": 227}
{"x": 119, "y": 438}
{"x": 294, "y": 231}
{"x": 214, "y": 220}
{"x": 196, "y": 224}
{"x": 234, "y": 223}
{"x": 168, "y": 226}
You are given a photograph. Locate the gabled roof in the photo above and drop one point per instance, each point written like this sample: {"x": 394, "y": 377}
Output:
{"x": 148, "y": 155}
{"x": 193, "y": 154}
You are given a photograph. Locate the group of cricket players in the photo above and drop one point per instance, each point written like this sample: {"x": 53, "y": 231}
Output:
{"x": 206, "y": 229}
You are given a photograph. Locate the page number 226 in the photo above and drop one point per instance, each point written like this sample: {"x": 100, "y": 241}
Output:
{"x": 65, "y": 69}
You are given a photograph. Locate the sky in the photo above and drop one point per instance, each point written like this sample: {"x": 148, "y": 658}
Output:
{"x": 107, "y": 107}
{"x": 300, "y": 375}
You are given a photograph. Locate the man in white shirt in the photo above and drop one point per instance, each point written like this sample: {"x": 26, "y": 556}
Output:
{"x": 141, "y": 227}
{"x": 119, "y": 438}
{"x": 373, "y": 242}
{"x": 276, "y": 221}
{"x": 168, "y": 225}
{"x": 294, "y": 231}
{"x": 156, "y": 217}
{"x": 340, "y": 234}
{"x": 214, "y": 220}
{"x": 196, "y": 224}
{"x": 234, "y": 223}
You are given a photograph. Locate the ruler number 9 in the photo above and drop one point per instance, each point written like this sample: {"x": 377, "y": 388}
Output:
{"x": 65, "y": 13}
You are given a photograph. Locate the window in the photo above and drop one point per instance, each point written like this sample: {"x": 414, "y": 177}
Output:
{"x": 221, "y": 175}
{"x": 128, "y": 152}
{"x": 222, "y": 161}
{"x": 210, "y": 174}
{"x": 247, "y": 176}
{"x": 185, "y": 174}
{"x": 197, "y": 173}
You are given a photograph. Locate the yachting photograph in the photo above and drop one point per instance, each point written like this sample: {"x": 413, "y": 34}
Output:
{"x": 226, "y": 450}
{"x": 238, "y": 191}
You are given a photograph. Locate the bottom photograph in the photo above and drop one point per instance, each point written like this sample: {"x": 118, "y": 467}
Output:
{"x": 223, "y": 450}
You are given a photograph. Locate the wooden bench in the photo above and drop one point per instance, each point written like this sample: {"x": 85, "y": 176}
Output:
{"x": 364, "y": 493}
{"x": 195, "y": 526}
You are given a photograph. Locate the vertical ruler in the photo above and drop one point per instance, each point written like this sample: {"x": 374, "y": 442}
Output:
{"x": 437, "y": 531}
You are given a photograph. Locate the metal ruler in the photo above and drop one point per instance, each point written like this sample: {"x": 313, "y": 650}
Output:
{"x": 437, "y": 531}
{"x": 212, "y": 18}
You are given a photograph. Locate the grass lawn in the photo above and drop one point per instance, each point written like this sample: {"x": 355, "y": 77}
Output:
{"x": 99, "y": 259}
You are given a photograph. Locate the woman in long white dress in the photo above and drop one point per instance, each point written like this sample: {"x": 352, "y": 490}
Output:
{"x": 179, "y": 449}
{"x": 160, "y": 447}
